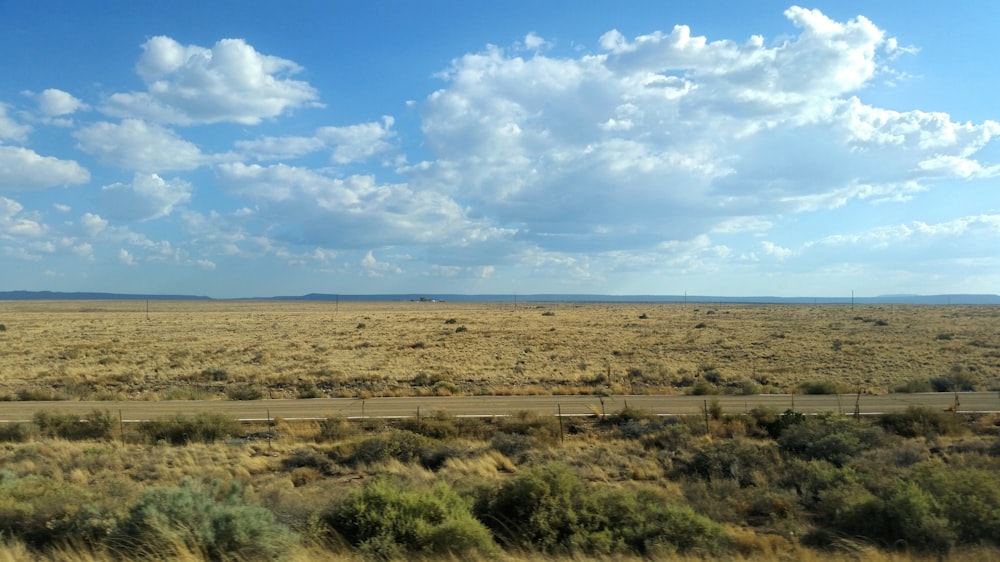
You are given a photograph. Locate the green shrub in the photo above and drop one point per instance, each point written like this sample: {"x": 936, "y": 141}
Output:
{"x": 541, "y": 428}
{"x": 40, "y": 395}
{"x": 205, "y": 427}
{"x": 958, "y": 379}
{"x": 244, "y": 392}
{"x": 902, "y": 516}
{"x": 914, "y": 385}
{"x": 829, "y": 438}
{"x": 969, "y": 498}
{"x": 745, "y": 461}
{"x": 703, "y": 388}
{"x": 388, "y": 521}
{"x": 535, "y": 510}
{"x": 549, "y": 509}
{"x": 403, "y": 446}
{"x": 773, "y": 423}
{"x": 439, "y": 425}
{"x": 819, "y": 387}
{"x": 96, "y": 424}
{"x": 43, "y": 512}
{"x": 921, "y": 421}
{"x": 14, "y": 432}
{"x": 215, "y": 521}
{"x": 335, "y": 429}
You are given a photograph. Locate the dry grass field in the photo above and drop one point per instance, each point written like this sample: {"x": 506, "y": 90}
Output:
{"x": 217, "y": 350}
{"x": 759, "y": 485}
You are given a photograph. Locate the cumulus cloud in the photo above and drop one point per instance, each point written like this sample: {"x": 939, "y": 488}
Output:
{"x": 375, "y": 268}
{"x": 137, "y": 145}
{"x": 666, "y": 136}
{"x": 11, "y": 129}
{"x": 352, "y": 212}
{"x": 355, "y": 143}
{"x": 349, "y": 144}
{"x": 148, "y": 197}
{"x": 92, "y": 224}
{"x": 22, "y": 169}
{"x": 126, "y": 257}
{"x": 13, "y": 222}
{"x": 229, "y": 82}
{"x": 55, "y": 103}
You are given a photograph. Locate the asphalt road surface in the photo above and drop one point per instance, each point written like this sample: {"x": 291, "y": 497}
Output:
{"x": 487, "y": 406}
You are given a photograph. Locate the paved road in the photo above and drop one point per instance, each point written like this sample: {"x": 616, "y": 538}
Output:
{"x": 486, "y": 406}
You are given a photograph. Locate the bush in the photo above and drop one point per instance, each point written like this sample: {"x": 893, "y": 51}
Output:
{"x": 969, "y": 498}
{"x": 551, "y": 510}
{"x": 211, "y": 520}
{"x": 773, "y": 423}
{"x": 541, "y": 428}
{"x": 957, "y": 380}
{"x": 914, "y": 385}
{"x": 205, "y": 427}
{"x": 96, "y": 424}
{"x": 387, "y": 521}
{"x": 335, "y": 429}
{"x": 244, "y": 392}
{"x": 14, "y": 432}
{"x": 833, "y": 439}
{"x": 43, "y": 512}
{"x": 745, "y": 461}
{"x": 439, "y": 425}
{"x": 902, "y": 516}
{"x": 819, "y": 387}
{"x": 403, "y": 446}
{"x": 921, "y": 421}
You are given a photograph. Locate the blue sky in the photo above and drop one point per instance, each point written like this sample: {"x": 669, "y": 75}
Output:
{"x": 236, "y": 149}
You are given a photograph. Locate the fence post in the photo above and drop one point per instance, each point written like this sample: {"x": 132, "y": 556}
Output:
{"x": 708, "y": 430}
{"x": 562, "y": 439}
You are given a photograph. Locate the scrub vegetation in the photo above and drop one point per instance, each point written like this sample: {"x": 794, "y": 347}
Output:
{"x": 763, "y": 484}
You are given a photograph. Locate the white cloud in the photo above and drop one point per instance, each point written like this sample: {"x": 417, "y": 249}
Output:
{"x": 126, "y": 257}
{"x": 137, "y": 145}
{"x": 279, "y": 148}
{"x": 22, "y": 169}
{"x": 10, "y": 129}
{"x": 54, "y": 103}
{"x": 62, "y": 208}
{"x": 349, "y": 144}
{"x": 13, "y": 223}
{"x": 771, "y": 249}
{"x": 92, "y": 224}
{"x": 230, "y": 82}
{"x": 885, "y": 236}
{"x": 355, "y": 143}
{"x": 148, "y": 197}
{"x": 353, "y": 212}
{"x": 374, "y": 268}
{"x": 670, "y": 135}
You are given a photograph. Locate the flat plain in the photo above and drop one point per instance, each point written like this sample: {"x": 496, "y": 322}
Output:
{"x": 750, "y": 477}
{"x": 116, "y": 350}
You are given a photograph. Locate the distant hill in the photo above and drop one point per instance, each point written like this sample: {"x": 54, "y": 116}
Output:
{"x": 963, "y": 299}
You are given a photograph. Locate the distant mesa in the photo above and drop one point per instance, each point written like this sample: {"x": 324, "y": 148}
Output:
{"x": 956, "y": 299}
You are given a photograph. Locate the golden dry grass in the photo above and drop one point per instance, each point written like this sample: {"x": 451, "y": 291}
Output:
{"x": 112, "y": 350}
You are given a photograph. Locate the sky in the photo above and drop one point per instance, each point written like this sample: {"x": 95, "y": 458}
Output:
{"x": 256, "y": 148}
